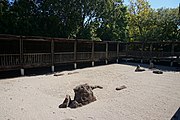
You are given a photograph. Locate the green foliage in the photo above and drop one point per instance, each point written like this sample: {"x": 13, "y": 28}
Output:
{"x": 146, "y": 24}
{"x": 165, "y": 24}
{"x": 90, "y": 19}
{"x": 113, "y": 21}
{"x": 139, "y": 22}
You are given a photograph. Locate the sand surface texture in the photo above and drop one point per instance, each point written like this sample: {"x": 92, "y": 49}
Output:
{"x": 148, "y": 96}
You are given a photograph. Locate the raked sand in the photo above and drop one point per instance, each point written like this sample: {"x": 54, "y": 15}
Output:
{"x": 148, "y": 96}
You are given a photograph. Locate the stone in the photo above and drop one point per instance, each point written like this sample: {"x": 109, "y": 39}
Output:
{"x": 74, "y": 104}
{"x": 72, "y": 73}
{"x": 66, "y": 102}
{"x": 121, "y": 87}
{"x": 96, "y": 86}
{"x": 83, "y": 96}
{"x": 158, "y": 72}
{"x": 139, "y": 69}
{"x": 58, "y": 74}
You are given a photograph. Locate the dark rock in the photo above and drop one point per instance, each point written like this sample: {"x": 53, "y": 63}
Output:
{"x": 121, "y": 87}
{"x": 84, "y": 94}
{"x": 74, "y": 104}
{"x": 58, "y": 74}
{"x": 96, "y": 86}
{"x": 139, "y": 69}
{"x": 66, "y": 102}
{"x": 72, "y": 73}
{"x": 157, "y": 72}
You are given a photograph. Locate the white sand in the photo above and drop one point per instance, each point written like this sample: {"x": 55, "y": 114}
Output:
{"x": 148, "y": 96}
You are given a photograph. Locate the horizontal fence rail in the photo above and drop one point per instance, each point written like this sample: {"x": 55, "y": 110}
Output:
{"x": 18, "y": 52}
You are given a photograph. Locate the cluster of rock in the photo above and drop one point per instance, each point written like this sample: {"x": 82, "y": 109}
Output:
{"x": 151, "y": 66}
{"x": 83, "y": 96}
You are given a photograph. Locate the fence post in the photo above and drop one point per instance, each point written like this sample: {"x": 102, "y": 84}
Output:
{"x": 21, "y": 56}
{"x": 106, "y": 52}
{"x": 75, "y": 54}
{"x": 52, "y": 55}
{"x": 117, "y": 60}
{"x": 92, "y": 55}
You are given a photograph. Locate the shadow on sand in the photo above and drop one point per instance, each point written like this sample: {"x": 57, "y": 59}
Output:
{"x": 47, "y": 70}
{"x": 70, "y": 67}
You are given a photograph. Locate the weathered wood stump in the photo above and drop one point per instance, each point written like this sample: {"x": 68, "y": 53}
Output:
{"x": 139, "y": 69}
{"x": 83, "y": 96}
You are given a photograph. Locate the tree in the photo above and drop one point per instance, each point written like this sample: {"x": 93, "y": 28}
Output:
{"x": 139, "y": 22}
{"x": 112, "y": 21}
{"x": 147, "y": 24}
{"x": 4, "y": 5}
{"x": 97, "y": 19}
{"x": 166, "y": 24}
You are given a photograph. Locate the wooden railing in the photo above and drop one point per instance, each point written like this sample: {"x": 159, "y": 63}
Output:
{"x": 83, "y": 56}
{"x": 36, "y": 59}
{"x": 63, "y": 57}
{"x": 99, "y": 56}
{"x": 24, "y": 59}
{"x": 9, "y": 60}
{"x": 112, "y": 54}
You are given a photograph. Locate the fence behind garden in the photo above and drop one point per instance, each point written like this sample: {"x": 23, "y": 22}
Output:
{"x": 20, "y": 52}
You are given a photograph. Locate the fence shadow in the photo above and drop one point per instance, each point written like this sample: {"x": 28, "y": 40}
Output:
{"x": 9, "y": 74}
{"x": 70, "y": 67}
{"x": 47, "y": 70}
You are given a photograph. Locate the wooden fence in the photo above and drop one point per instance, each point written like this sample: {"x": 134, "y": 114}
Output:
{"x": 20, "y": 52}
